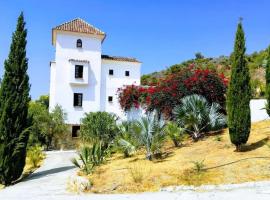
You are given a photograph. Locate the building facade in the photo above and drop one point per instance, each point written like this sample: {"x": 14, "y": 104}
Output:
{"x": 82, "y": 79}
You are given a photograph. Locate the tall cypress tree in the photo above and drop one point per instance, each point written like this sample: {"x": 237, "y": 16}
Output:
{"x": 267, "y": 78}
{"x": 14, "y": 99}
{"x": 239, "y": 93}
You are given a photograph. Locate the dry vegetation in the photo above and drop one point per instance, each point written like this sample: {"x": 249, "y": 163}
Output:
{"x": 222, "y": 165}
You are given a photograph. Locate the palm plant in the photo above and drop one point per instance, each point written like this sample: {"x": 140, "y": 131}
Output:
{"x": 126, "y": 139}
{"x": 150, "y": 132}
{"x": 175, "y": 133}
{"x": 196, "y": 115}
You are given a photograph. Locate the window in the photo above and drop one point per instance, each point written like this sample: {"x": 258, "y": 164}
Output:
{"x": 75, "y": 131}
{"x": 127, "y": 73}
{"x": 111, "y": 72}
{"x": 77, "y": 100}
{"x": 78, "y": 71}
{"x": 110, "y": 98}
{"x": 79, "y": 43}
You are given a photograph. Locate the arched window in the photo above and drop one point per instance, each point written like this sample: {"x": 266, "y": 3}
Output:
{"x": 79, "y": 43}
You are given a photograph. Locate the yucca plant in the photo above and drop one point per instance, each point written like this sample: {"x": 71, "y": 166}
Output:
{"x": 175, "y": 133}
{"x": 197, "y": 116}
{"x": 90, "y": 157}
{"x": 150, "y": 132}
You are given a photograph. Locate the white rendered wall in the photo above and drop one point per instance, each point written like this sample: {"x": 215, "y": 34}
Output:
{"x": 64, "y": 86}
{"x": 111, "y": 83}
{"x": 258, "y": 113}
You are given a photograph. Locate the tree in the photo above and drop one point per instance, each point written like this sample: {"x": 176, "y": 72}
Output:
{"x": 267, "y": 78}
{"x": 14, "y": 99}
{"x": 41, "y": 123}
{"x": 239, "y": 93}
{"x": 199, "y": 55}
{"x": 44, "y": 100}
{"x": 57, "y": 126}
{"x": 99, "y": 127}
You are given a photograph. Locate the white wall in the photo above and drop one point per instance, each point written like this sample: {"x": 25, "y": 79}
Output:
{"x": 64, "y": 87}
{"x": 258, "y": 112}
{"x": 111, "y": 83}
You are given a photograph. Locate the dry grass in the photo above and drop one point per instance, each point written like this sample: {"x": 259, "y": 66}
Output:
{"x": 223, "y": 163}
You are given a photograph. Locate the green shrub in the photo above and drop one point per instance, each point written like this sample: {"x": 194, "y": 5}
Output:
{"x": 175, "y": 133}
{"x": 99, "y": 127}
{"x": 126, "y": 139}
{"x": 90, "y": 157}
{"x": 197, "y": 116}
{"x": 35, "y": 155}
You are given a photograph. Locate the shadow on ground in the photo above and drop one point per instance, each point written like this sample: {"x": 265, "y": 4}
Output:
{"x": 47, "y": 172}
{"x": 255, "y": 145}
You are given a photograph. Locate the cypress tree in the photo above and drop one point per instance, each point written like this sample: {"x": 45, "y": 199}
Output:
{"x": 267, "y": 78}
{"x": 239, "y": 93}
{"x": 14, "y": 99}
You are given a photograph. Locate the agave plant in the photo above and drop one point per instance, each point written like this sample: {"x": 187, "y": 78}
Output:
{"x": 196, "y": 115}
{"x": 90, "y": 157}
{"x": 175, "y": 133}
{"x": 150, "y": 131}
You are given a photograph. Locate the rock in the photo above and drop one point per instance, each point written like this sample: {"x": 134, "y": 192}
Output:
{"x": 79, "y": 184}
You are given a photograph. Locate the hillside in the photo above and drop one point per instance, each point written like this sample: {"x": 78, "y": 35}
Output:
{"x": 208, "y": 161}
{"x": 256, "y": 62}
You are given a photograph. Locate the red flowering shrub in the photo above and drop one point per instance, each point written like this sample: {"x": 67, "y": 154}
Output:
{"x": 167, "y": 93}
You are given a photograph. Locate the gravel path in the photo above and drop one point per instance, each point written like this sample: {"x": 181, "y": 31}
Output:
{"x": 49, "y": 183}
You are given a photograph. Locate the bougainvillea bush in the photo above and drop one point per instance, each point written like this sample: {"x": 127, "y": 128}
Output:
{"x": 165, "y": 95}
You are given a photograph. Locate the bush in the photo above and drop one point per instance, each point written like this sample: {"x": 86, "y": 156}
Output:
{"x": 167, "y": 93}
{"x": 196, "y": 115}
{"x": 175, "y": 133}
{"x": 150, "y": 133}
{"x": 126, "y": 139}
{"x": 99, "y": 127}
{"x": 34, "y": 156}
{"x": 138, "y": 172}
{"x": 90, "y": 157}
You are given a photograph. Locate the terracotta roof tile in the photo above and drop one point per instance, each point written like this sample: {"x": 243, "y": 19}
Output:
{"x": 119, "y": 58}
{"x": 80, "y": 26}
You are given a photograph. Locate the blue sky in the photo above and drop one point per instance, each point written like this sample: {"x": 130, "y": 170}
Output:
{"x": 157, "y": 32}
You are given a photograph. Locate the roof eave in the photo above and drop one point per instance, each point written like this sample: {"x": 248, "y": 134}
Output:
{"x": 54, "y": 31}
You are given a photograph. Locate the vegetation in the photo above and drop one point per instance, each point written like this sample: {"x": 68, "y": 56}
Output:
{"x": 167, "y": 93}
{"x": 14, "y": 99}
{"x": 196, "y": 116}
{"x": 90, "y": 157}
{"x": 41, "y": 124}
{"x": 151, "y": 134}
{"x": 48, "y": 127}
{"x": 99, "y": 127}
{"x": 238, "y": 107}
{"x": 175, "y": 133}
{"x": 220, "y": 165}
{"x": 267, "y": 78}
{"x": 34, "y": 156}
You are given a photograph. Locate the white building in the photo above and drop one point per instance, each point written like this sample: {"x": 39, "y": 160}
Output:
{"x": 84, "y": 80}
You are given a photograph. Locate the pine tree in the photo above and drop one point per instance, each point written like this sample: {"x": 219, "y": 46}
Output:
{"x": 14, "y": 99}
{"x": 239, "y": 93}
{"x": 267, "y": 78}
